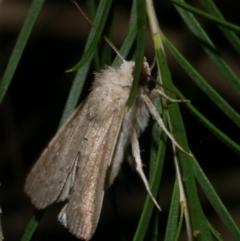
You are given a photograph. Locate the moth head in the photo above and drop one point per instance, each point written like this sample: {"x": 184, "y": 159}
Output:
{"x": 145, "y": 76}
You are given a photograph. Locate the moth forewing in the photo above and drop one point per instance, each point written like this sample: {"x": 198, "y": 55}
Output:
{"x": 75, "y": 163}
{"x": 49, "y": 175}
{"x": 83, "y": 208}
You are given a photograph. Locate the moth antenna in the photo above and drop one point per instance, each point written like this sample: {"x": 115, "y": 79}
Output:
{"x": 93, "y": 25}
{"x": 153, "y": 63}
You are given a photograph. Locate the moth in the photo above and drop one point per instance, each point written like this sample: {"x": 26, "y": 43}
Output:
{"x": 85, "y": 155}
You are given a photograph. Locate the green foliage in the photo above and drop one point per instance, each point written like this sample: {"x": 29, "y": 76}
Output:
{"x": 190, "y": 206}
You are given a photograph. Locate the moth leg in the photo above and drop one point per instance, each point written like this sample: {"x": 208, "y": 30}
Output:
{"x": 136, "y": 154}
{"x": 128, "y": 156}
{"x": 160, "y": 92}
{"x": 159, "y": 120}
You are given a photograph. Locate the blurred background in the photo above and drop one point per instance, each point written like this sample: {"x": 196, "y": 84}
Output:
{"x": 31, "y": 110}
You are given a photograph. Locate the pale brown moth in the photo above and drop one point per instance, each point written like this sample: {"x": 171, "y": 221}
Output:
{"x": 85, "y": 156}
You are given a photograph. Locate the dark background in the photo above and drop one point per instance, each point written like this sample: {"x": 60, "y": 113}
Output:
{"x": 30, "y": 113}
